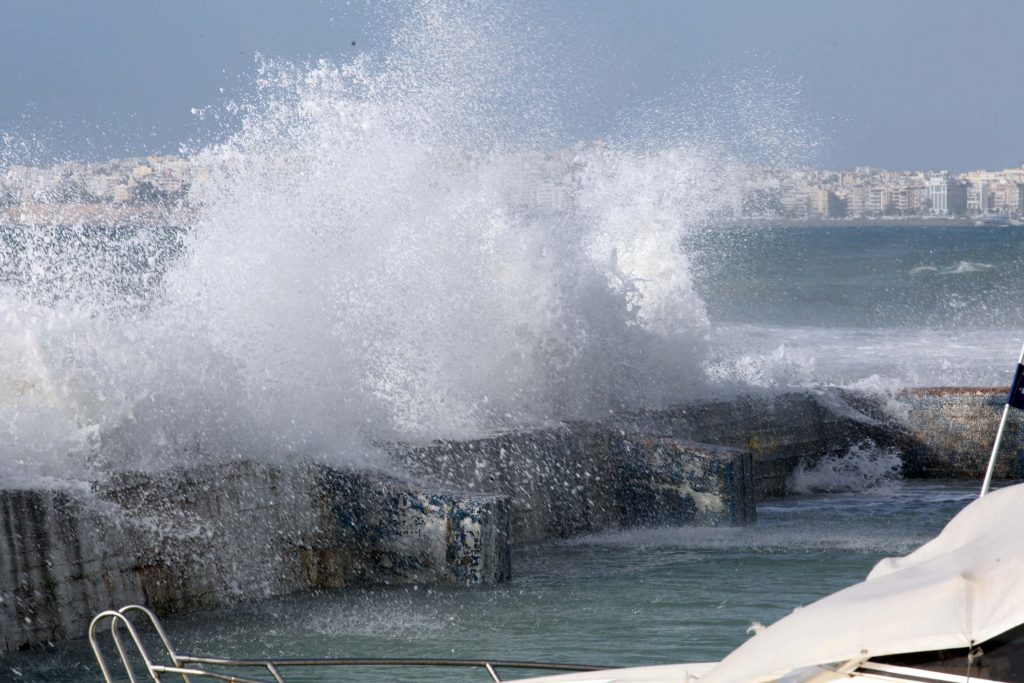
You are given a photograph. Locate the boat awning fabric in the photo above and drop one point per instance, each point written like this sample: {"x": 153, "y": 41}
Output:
{"x": 964, "y": 586}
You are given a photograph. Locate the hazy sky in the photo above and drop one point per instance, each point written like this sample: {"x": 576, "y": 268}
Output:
{"x": 911, "y": 84}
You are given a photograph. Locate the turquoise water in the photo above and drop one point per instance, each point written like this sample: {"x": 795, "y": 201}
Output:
{"x": 626, "y": 598}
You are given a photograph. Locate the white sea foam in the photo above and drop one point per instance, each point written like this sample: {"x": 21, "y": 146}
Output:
{"x": 964, "y": 267}
{"x": 881, "y": 361}
{"x": 959, "y": 268}
{"x": 782, "y": 366}
{"x": 862, "y": 467}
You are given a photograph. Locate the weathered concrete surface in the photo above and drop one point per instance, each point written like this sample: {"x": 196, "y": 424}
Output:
{"x": 952, "y": 431}
{"x": 780, "y": 431}
{"x": 377, "y": 530}
{"x": 579, "y": 478}
{"x": 669, "y": 481}
{"x": 188, "y": 540}
{"x": 561, "y": 482}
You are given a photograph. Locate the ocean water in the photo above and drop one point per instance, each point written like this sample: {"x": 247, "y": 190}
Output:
{"x": 869, "y": 306}
{"x": 622, "y": 598}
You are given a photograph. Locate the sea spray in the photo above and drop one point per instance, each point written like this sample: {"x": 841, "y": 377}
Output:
{"x": 394, "y": 280}
{"x": 863, "y": 467}
{"x": 737, "y": 368}
{"x": 363, "y": 266}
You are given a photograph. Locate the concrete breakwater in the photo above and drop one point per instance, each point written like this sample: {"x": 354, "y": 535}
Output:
{"x": 183, "y": 541}
{"x": 951, "y": 431}
{"x": 577, "y": 479}
{"x": 186, "y": 540}
{"x": 779, "y": 431}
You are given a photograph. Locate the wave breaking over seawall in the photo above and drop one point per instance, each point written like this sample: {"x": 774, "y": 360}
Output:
{"x": 362, "y": 267}
{"x": 864, "y": 467}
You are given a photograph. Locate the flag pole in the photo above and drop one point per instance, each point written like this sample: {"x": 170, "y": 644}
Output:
{"x": 1002, "y": 425}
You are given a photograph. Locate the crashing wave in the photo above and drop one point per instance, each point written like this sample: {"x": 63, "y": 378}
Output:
{"x": 863, "y": 467}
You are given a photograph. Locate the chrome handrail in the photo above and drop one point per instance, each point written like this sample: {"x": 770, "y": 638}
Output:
{"x": 179, "y": 663}
{"x": 118, "y": 618}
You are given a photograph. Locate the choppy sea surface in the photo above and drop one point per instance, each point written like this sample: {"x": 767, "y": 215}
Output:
{"x": 879, "y": 307}
{"x": 623, "y": 598}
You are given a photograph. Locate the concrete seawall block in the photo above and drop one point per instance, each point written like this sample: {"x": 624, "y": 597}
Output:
{"x": 668, "y": 481}
{"x": 187, "y": 540}
{"x": 953, "y": 430}
{"x": 580, "y": 478}
{"x": 560, "y": 482}
{"x": 381, "y": 530}
{"x": 780, "y": 431}
{"x": 60, "y": 562}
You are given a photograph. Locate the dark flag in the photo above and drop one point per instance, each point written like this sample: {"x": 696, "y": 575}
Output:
{"x": 1016, "y": 398}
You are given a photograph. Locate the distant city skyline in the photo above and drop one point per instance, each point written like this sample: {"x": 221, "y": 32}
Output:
{"x": 161, "y": 188}
{"x": 914, "y": 84}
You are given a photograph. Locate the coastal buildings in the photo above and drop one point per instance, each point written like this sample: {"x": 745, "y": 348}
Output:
{"x": 827, "y": 204}
{"x": 138, "y": 179}
{"x": 866, "y": 192}
{"x": 550, "y": 182}
{"x": 947, "y": 196}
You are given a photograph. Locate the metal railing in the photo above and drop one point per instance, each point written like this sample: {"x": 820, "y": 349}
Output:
{"x": 188, "y": 666}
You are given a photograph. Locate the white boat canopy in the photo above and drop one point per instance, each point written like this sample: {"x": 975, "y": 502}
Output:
{"x": 960, "y": 589}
